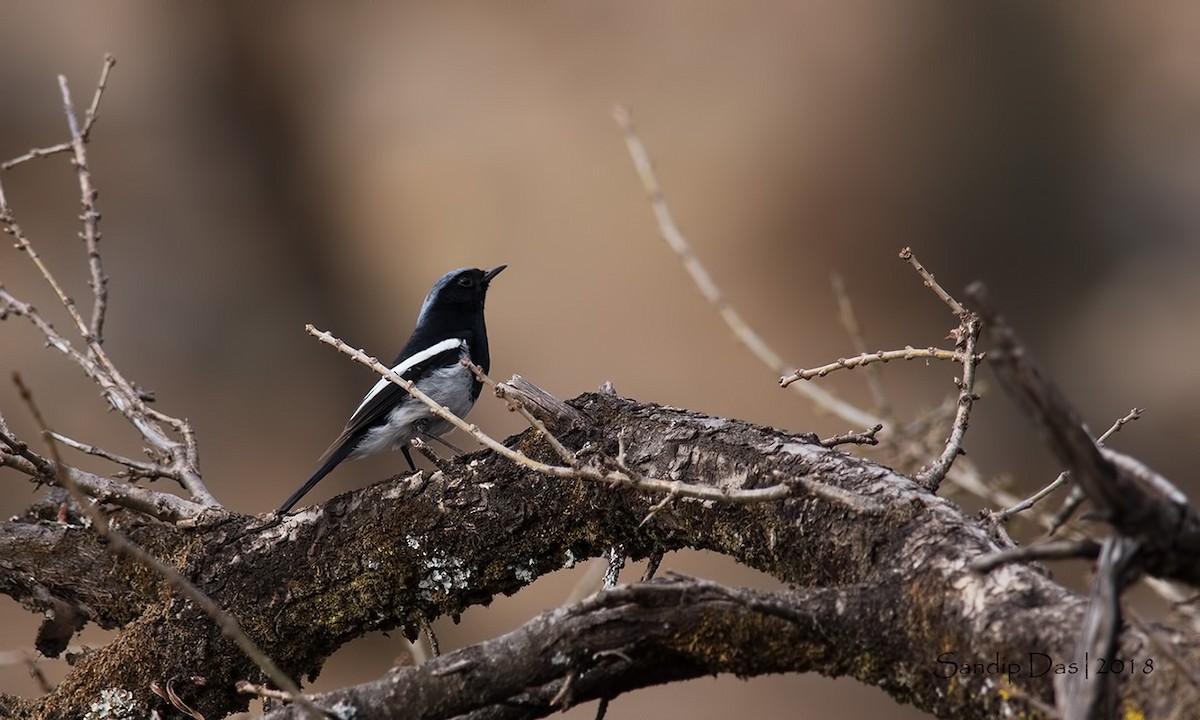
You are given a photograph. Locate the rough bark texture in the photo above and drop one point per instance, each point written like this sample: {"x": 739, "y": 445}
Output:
{"x": 879, "y": 596}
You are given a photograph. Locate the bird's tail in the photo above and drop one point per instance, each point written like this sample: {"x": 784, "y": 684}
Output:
{"x": 331, "y": 461}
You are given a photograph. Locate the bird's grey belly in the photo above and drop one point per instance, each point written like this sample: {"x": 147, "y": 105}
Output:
{"x": 449, "y": 386}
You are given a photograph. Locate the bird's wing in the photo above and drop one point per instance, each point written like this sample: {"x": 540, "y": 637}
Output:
{"x": 386, "y": 395}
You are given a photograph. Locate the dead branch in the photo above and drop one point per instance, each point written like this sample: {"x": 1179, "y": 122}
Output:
{"x": 176, "y": 457}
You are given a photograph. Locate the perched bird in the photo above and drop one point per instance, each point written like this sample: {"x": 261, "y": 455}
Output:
{"x": 450, "y": 328}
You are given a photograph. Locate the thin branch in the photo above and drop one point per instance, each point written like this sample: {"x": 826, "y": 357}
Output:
{"x": 228, "y": 624}
{"x": 20, "y": 450}
{"x": 101, "y": 85}
{"x": 1133, "y": 414}
{"x": 1057, "y": 550}
{"x": 854, "y": 438}
{"x": 1004, "y": 515}
{"x": 514, "y": 404}
{"x": 906, "y": 254}
{"x": 246, "y": 687}
{"x": 23, "y": 245}
{"x": 122, "y": 395}
{"x": 652, "y": 564}
{"x": 932, "y": 476}
{"x": 592, "y": 472}
{"x": 1072, "y": 503}
{"x": 91, "y": 216}
{"x": 89, "y": 120}
{"x": 137, "y": 468}
{"x": 34, "y": 154}
{"x": 164, "y": 506}
{"x": 865, "y": 359}
{"x": 741, "y": 329}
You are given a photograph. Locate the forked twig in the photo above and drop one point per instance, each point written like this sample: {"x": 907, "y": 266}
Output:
{"x": 181, "y": 455}
{"x": 1010, "y": 511}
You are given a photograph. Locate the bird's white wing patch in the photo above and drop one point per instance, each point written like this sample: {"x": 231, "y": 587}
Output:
{"x": 408, "y": 362}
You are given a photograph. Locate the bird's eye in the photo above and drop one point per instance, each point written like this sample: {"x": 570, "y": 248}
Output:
{"x": 466, "y": 281}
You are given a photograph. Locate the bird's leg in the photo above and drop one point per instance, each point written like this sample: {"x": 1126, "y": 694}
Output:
{"x": 421, "y": 430}
{"x": 426, "y": 436}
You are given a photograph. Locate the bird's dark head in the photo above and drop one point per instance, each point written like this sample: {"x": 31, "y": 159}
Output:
{"x": 459, "y": 290}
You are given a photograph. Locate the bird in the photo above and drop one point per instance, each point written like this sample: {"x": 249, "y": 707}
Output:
{"x": 450, "y": 328}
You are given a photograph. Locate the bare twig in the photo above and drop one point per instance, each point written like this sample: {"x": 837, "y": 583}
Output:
{"x": 435, "y": 649}
{"x": 932, "y": 476}
{"x": 1073, "y": 502}
{"x": 1057, "y": 550}
{"x": 90, "y": 118}
{"x": 119, "y": 393}
{"x": 85, "y": 131}
{"x": 34, "y": 154}
{"x": 515, "y": 405}
{"x": 854, "y": 438}
{"x": 91, "y": 216}
{"x": 20, "y": 451}
{"x": 741, "y": 329}
{"x": 137, "y": 468}
{"x": 164, "y": 506}
{"x": 882, "y": 356}
{"x": 182, "y": 455}
{"x": 652, "y": 564}
{"x": 616, "y": 563}
{"x": 1004, "y": 515}
{"x": 906, "y": 254}
{"x": 22, "y": 244}
{"x": 228, "y": 624}
{"x": 246, "y": 687}
{"x": 1133, "y": 414}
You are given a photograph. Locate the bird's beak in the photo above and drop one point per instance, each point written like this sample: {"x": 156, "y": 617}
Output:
{"x": 487, "y": 276}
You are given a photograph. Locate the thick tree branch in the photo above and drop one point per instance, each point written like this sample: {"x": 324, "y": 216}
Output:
{"x": 402, "y": 552}
{"x": 630, "y": 637}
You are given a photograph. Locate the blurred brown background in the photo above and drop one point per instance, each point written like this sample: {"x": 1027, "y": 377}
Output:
{"x": 262, "y": 166}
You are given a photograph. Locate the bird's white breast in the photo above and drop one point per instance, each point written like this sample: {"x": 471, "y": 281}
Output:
{"x": 449, "y": 386}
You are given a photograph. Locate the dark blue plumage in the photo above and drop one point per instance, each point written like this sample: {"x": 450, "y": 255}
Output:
{"x": 450, "y": 327}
